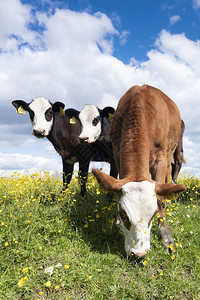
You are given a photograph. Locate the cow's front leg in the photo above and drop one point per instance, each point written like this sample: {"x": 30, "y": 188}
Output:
{"x": 67, "y": 173}
{"x": 163, "y": 227}
{"x": 83, "y": 176}
{"x": 161, "y": 173}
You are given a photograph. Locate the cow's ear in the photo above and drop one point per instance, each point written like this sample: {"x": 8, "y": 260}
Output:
{"x": 21, "y": 106}
{"x": 72, "y": 115}
{"x": 108, "y": 182}
{"x": 167, "y": 189}
{"x": 107, "y": 112}
{"x": 59, "y": 107}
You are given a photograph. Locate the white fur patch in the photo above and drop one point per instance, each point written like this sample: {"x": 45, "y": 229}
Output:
{"x": 86, "y": 117}
{"x": 39, "y": 106}
{"x": 139, "y": 202}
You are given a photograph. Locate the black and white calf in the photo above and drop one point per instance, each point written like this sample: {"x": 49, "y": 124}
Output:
{"x": 49, "y": 120}
{"x": 95, "y": 122}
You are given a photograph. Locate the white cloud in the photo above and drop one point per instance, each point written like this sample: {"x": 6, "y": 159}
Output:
{"x": 196, "y": 4}
{"x": 72, "y": 61}
{"x": 174, "y": 19}
{"x": 19, "y": 161}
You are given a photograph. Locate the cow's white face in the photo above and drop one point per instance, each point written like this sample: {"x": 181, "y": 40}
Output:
{"x": 41, "y": 115}
{"x": 91, "y": 124}
{"x": 137, "y": 206}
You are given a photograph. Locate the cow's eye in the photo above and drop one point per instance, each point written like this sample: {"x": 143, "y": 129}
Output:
{"x": 95, "y": 121}
{"x": 123, "y": 216}
{"x": 49, "y": 114}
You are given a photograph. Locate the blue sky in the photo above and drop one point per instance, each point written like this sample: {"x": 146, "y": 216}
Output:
{"x": 141, "y": 20}
{"x": 82, "y": 52}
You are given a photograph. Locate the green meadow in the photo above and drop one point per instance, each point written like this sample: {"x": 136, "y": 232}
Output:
{"x": 56, "y": 245}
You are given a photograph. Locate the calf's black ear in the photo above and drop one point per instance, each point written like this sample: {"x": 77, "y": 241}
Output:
{"x": 72, "y": 114}
{"x": 21, "y": 106}
{"x": 107, "y": 112}
{"x": 59, "y": 107}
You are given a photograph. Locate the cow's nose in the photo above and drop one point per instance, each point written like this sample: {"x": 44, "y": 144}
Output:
{"x": 83, "y": 139}
{"x": 138, "y": 256}
{"x": 39, "y": 132}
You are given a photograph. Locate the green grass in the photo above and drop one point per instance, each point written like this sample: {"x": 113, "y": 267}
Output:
{"x": 42, "y": 228}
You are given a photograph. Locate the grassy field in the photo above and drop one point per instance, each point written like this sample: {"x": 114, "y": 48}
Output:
{"x": 56, "y": 245}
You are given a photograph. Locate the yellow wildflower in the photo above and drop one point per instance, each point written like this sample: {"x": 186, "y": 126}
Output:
{"x": 145, "y": 262}
{"x": 40, "y": 293}
{"x": 25, "y": 270}
{"x": 47, "y": 284}
{"x": 22, "y": 281}
{"x": 39, "y": 247}
{"x": 66, "y": 267}
{"x": 57, "y": 287}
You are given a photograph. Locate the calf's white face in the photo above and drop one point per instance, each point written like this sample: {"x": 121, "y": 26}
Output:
{"x": 137, "y": 206}
{"x": 91, "y": 124}
{"x": 41, "y": 115}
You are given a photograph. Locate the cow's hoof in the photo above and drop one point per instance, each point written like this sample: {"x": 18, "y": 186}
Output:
{"x": 167, "y": 239}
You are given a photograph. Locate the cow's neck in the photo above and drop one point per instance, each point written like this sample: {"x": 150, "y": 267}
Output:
{"x": 64, "y": 136}
{"x": 134, "y": 155}
{"x": 135, "y": 166}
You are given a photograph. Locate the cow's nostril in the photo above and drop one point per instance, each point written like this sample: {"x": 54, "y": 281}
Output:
{"x": 84, "y": 140}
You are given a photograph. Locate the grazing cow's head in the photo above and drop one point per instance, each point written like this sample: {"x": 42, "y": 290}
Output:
{"x": 136, "y": 208}
{"x": 91, "y": 120}
{"x": 41, "y": 114}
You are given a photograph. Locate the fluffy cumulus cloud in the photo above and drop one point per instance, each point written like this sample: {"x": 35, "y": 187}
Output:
{"x": 69, "y": 58}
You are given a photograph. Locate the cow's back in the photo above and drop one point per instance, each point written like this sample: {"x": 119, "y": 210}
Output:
{"x": 146, "y": 121}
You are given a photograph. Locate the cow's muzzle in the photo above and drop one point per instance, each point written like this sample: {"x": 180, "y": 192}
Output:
{"x": 138, "y": 256}
{"x": 39, "y": 133}
{"x": 84, "y": 140}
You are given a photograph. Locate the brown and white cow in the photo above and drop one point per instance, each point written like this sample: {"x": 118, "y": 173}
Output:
{"x": 145, "y": 131}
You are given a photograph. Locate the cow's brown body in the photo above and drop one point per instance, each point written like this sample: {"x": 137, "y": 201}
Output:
{"x": 145, "y": 133}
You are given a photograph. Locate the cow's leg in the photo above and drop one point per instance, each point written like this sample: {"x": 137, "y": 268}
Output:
{"x": 67, "y": 173}
{"x": 83, "y": 175}
{"x": 113, "y": 173}
{"x": 113, "y": 169}
{"x": 161, "y": 174}
{"x": 163, "y": 227}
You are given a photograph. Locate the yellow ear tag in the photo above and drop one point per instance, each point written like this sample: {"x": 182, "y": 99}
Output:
{"x": 110, "y": 117}
{"x": 73, "y": 120}
{"x": 21, "y": 110}
{"x": 62, "y": 112}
